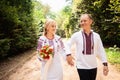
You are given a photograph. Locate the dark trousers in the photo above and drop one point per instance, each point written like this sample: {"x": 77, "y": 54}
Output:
{"x": 87, "y": 74}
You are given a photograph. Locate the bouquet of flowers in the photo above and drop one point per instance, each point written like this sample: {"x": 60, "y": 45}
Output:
{"x": 46, "y": 52}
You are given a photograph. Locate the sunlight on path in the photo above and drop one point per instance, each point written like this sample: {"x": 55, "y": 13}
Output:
{"x": 113, "y": 73}
{"x": 30, "y": 70}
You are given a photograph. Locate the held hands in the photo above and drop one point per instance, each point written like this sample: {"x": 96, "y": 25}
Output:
{"x": 70, "y": 59}
{"x": 105, "y": 70}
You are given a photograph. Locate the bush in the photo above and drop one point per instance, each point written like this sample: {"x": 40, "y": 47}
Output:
{"x": 61, "y": 33}
{"x": 17, "y": 31}
{"x": 4, "y": 47}
{"x": 113, "y": 54}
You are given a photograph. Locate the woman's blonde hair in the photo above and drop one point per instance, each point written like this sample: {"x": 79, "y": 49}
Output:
{"x": 47, "y": 23}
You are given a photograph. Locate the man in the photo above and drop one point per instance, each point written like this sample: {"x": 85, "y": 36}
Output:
{"x": 88, "y": 46}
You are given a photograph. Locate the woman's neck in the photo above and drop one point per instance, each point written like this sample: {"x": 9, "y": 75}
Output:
{"x": 50, "y": 36}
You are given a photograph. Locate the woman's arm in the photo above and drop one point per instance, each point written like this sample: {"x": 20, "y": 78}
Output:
{"x": 39, "y": 46}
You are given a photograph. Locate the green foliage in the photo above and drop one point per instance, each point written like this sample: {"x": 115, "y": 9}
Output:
{"x": 61, "y": 33}
{"x": 18, "y": 33}
{"x": 63, "y": 21}
{"x": 114, "y": 49}
{"x": 113, "y": 54}
{"x": 106, "y": 15}
{"x": 40, "y": 13}
{"x": 4, "y": 47}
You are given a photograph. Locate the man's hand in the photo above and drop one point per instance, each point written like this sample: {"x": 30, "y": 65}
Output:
{"x": 105, "y": 70}
{"x": 70, "y": 59}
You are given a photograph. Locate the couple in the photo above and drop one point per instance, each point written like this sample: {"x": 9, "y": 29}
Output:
{"x": 88, "y": 46}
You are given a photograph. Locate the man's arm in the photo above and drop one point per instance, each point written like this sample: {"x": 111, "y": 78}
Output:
{"x": 69, "y": 57}
{"x": 103, "y": 57}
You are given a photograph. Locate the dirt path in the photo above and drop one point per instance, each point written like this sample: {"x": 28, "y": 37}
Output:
{"x": 113, "y": 73}
{"x": 30, "y": 70}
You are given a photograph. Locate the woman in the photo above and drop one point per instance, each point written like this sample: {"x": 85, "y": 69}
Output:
{"x": 54, "y": 68}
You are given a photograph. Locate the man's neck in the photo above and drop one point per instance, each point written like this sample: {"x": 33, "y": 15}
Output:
{"x": 87, "y": 31}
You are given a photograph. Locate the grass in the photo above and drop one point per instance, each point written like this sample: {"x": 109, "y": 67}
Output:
{"x": 113, "y": 56}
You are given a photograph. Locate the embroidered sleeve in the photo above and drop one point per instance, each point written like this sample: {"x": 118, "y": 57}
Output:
{"x": 61, "y": 43}
{"x": 62, "y": 48}
{"x": 39, "y": 45}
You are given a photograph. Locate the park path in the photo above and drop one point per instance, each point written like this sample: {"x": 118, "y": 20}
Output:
{"x": 30, "y": 70}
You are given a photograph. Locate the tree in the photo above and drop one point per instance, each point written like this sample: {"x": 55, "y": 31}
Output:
{"x": 16, "y": 26}
{"x": 63, "y": 21}
{"x": 106, "y": 18}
